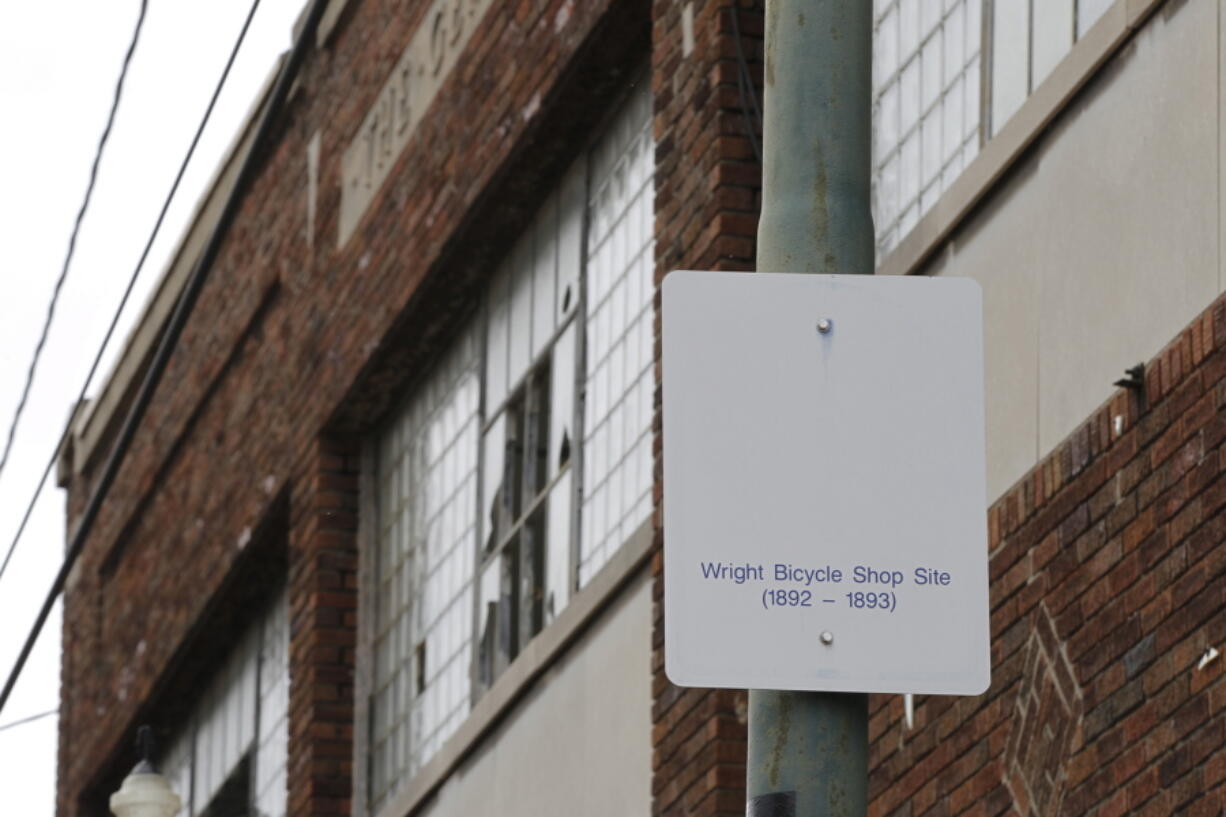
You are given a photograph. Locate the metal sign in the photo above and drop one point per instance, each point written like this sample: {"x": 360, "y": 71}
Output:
{"x": 824, "y": 483}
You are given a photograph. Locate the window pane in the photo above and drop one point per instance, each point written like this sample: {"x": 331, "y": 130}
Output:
{"x": 593, "y": 236}
{"x": 521, "y": 313}
{"x": 558, "y": 538}
{"x": 222, "y": 759}
{"x": 562, "y": 401}
{"x": 1053, "y": 36}
{"x": 931, "y": 69}
{"x": 954, "y": 43}
{"x": 537, "y": 397}
{"x": 908, "y": 28}
{"x": 619, "y": 295}
{"x": 930, "y": 15}
{"x": 487, "y": 630}
{"x": 970, "y": 102}
{"x": 1088, "y": 12}
{"x": 938, "y": 46}
{"x": 909, "y": 170}
{"x": 531, "y": 577}
{"x": 497, "y": 516}
{"x": 909, "y": 97}
{"x": 886, "y": 123}
{"x": 974, "y": 25}
{"x": 885, "y": 49}
{"x": 931, "y": 147}
{"x": 423, "y": 594}
{"x": 951, "y": 125}
{"x": 1010, "y": 63}
{"x": 544, "y": 275}
{"x": 570, "y": 240}
{"x": 886, "y": 194}
{"x": 497, "y": 339}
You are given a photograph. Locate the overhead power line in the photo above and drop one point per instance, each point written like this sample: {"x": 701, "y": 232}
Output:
{"x": 72, "y": 239}
{"x": 750, "y": 111}
{"x": 170, "y": 334}
{"x": 140, "y": 264}
{"x": 30, "y": 719}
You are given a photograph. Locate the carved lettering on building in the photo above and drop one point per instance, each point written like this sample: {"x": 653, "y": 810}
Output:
{"x": 424, "y": 65}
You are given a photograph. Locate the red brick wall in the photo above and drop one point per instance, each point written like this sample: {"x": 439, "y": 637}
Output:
{"x": 1107, "y": 564}
{"x": 292, "y": 344}
{"x": 323, "y": 582}
{"x": 708, "y": 194}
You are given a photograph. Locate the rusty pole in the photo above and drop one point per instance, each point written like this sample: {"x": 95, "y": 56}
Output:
{"x": 808, "y": 751}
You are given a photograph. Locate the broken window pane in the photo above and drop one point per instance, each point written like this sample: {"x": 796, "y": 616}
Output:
{"x": 570, "y": 240}
{"x": 535, "y": 436}
{"x": 531, "y": 577}
{"x": 558, "y": 545}
{"x": 562, "y": 401}
{"x": 487, "y": 631}
{"x": 497, "y": 518}
{"x": 506, "y": 646}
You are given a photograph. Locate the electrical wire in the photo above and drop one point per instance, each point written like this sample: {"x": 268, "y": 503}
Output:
{"x": 171, "y": 334}
{"x": 72, "y": 238}
{"x": 140, "y": 264}
{"x": 751, "y": 113}
{"x": 30, "y": 719}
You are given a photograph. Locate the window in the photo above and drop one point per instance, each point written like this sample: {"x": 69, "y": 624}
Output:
{"x": 529, "y": 442}
{"x": 522, "y": 461}
{"x": 926, "y": 74}
{"x": 619, "y": 335}
{"x": 426, "y": 524}
{"x": 230, "y": 757}
{"x": 1029, "y": 37}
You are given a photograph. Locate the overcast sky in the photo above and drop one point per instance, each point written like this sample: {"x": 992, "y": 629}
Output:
{"x": 59, "y": 61}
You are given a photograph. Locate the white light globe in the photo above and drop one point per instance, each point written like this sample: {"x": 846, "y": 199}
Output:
{"x": 145, "y": 793}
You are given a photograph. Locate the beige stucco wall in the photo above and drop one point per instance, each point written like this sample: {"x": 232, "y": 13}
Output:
{"x": 580, "y": 741}
{"x": 1103, "y": 242}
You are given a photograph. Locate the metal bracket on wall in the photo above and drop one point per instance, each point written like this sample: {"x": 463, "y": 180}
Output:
{"x": 1135, "y": 380}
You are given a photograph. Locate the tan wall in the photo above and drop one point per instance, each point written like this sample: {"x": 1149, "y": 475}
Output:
{"x": 1103, "y": 242}
{"x": 580, "y": 742}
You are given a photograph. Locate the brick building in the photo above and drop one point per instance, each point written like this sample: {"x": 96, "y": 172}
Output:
{"x": 388, "y": 541}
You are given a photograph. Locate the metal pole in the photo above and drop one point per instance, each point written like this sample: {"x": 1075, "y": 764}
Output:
{"x": 808, "y": 752}
{"x": 817, "y": 124}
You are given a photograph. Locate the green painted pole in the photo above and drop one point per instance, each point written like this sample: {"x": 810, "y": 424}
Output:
{"x": 808, "y": 751}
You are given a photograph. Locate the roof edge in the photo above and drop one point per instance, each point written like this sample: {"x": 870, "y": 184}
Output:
{"x": 94, "y": 421}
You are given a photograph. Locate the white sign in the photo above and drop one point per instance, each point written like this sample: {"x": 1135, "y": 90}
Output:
{"x": 825, "y": 510}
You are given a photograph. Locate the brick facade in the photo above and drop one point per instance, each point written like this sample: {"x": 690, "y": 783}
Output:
{"x": 1106, "y": 560}
{"x": 708, "y": 195}
{"x": 294, "y": 350}
{"x": 1106, "y": 565}
{"x": 323, "y": 581}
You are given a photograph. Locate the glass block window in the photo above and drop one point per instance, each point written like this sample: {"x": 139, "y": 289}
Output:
{"x": 232, "y": 750}
{"x": 485, "y": 524}
{"x": 926, "y": 72}
{"x": 272, "y": 727}
{"x": 1029, "y": 38}
{"x": 618, "y": 374}
{"x": 1088, "y": 12}
{"x": 426, "y": 473}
